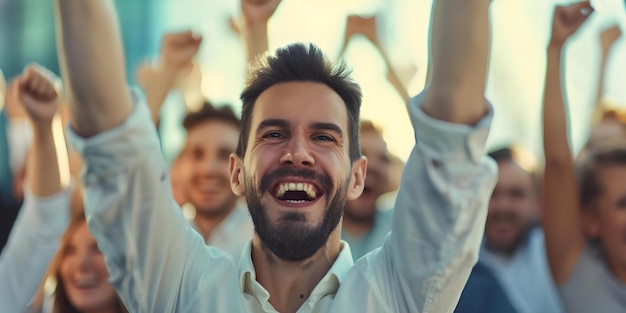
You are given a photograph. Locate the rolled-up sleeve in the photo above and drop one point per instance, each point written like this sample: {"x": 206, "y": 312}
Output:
{"x": 33, "y": 242}
{"x": 439, "y": 216}
{"x": 155, "y": 262}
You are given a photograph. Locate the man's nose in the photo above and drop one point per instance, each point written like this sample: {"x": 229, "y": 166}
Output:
{"x": 298, "y": 153}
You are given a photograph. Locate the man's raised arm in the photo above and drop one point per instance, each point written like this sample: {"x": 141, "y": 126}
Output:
{"x": 459, "y": 53}
{"x": 155, "y": 261}
{"x": 92, "y": 65}
{"x": 441, "y": 207}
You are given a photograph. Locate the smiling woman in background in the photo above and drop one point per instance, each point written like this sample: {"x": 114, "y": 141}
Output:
{"x": 82, "y": 279}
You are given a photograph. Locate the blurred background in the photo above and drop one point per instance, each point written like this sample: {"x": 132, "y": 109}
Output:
{"x": 520, "y": 34}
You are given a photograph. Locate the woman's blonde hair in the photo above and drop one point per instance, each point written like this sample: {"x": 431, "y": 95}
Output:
{"x": 62, "y": 303}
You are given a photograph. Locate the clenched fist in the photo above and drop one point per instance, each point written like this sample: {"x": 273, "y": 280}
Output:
{"x": 37, "y": 92}
{"x": 567, "y": 20}
{"x": 179, "y": 49}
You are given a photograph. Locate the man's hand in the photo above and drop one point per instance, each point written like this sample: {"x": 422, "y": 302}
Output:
{"x": 178, "y": 50}
{"x": 608, "y": 37}
{"x": 176, "y": 63}
{"x": 257, "y": 12}
{"x": 567, "y": 20}
{"x": 37, "y": 92}
{"x": 364, "y": 26}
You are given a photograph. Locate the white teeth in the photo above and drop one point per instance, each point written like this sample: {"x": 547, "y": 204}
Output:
{"x": 284, "y": 187}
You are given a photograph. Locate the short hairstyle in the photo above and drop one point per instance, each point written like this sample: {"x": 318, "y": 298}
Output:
{"x": 207, "y": 113}
{"x": 521, "y": 158}
{"x": 589, "y": 186}
{"x": 301, "y": 63}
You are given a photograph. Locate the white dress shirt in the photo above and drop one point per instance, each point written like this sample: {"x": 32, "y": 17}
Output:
{"x": 159, "y": 264}
{"x": 33, "y": 242}
{"x": 232, "y": 234}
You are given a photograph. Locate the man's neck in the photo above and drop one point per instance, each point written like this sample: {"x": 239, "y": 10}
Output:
{"x": 290, "y": 283}
{"x": 207, "y": 223}
{"x": 358, "y": 227}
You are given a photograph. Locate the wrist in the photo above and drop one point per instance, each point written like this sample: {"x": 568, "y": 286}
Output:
{"x": 555, "y": 45}
{"x": 41, "y": 129}
{"x": 555, "y": 49}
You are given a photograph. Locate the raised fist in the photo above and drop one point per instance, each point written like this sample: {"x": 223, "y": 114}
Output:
{"x": 179, "y": 49}
{"x": 37, "y": 92}
{"x": 568, "y": 19}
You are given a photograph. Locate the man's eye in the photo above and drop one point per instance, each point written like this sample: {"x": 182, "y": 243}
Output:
{"x": 273, "y": 135}
{"x": 324, "y": 138}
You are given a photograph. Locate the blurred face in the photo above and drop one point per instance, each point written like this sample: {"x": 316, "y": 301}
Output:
{"x": 512, "y": 207}
{"x": 84, "y": 273}
{"x": 296, "y": 173}
{"x": 203, "y": 168}
{"x": 373, "y": 147}
{"x": 609, "y": 218}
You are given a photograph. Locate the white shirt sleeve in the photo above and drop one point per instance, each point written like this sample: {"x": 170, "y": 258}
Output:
{"x": 155, "y": 261}
{"x": 33, "y": 242}
{"x": 439, "y": 217}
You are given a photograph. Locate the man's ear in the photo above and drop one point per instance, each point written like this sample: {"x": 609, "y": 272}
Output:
{"x": 590, "y": 220}
{"x": 235, "y": 169}
{"x": 357, "y": 178}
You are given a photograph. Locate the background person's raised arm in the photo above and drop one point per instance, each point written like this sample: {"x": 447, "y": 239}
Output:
{"x": 561, "y": 214}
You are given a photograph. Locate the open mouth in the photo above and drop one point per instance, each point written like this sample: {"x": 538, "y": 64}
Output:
{"x": 296, "y": 192}
{"x": 85, "y": 283}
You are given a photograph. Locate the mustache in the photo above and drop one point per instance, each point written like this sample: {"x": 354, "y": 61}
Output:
{"x": 307, "y": 174}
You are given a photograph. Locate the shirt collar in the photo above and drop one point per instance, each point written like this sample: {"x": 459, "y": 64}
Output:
{"x": 328, "y": 285}
{"x": 225, "y": 230}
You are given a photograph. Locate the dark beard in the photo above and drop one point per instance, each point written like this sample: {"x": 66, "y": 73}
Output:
{"x": 288, "y": 238}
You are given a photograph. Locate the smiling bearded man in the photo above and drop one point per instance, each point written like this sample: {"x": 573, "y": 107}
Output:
{"x": 290, "y": 238}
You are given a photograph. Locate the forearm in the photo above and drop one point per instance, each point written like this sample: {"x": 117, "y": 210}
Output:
{"x": 156, "y": 90}
{"x": 601, "y": 80}
{"x": 92, "y": 62}
{"x": 255, "y": 36}
{"x": 459, "y": 53}
{"x": 48, "y": 165}
{"x": 561, "y": 215}
{"x": 556, "y": 146}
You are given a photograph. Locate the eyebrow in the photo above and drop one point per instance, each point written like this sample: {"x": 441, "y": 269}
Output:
{"x": 282, "y": 123}
{"x": 327, "y": 126}
{"x": 276, "y": 122}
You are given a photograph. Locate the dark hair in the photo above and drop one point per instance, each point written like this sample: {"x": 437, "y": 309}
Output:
{"x": 208, "y": 112}
{"x": 604, "y": 156}
{"x": 515, "y": 154}
{"x": 301, "y": 63}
